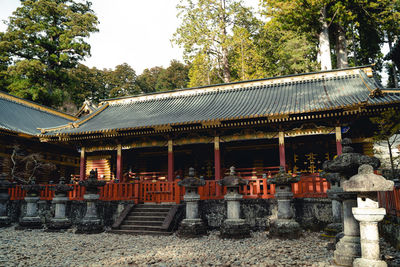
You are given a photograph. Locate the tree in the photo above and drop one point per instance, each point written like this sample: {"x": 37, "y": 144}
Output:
{"x": 87, "y": 83}
{"x": 387, "y": 129}
{"x": 148, "y": 79}
{"x": 25, "y": 167}
{"x": 201, "y": 72}
{"x": 173, "y": 77}
{"x": 157, "y": 79}
{"x": 122, "y": 81}
{"x": 245, "y": 57}
{"x": 45, "y": 39}
{"x": 285, "y": 52}
{"x": 207, "y": 28}
{"x": 357, "y": 26}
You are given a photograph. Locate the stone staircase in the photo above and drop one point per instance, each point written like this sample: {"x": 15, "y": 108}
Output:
{"x": 147, "y": 219}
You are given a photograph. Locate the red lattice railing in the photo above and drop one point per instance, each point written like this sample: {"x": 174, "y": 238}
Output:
{"x": 164, "y": 191}
{"x": 390, "y": 201}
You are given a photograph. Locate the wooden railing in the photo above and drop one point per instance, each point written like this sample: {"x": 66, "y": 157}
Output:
{"x": 390, "y": 201}
{"x": 310, "y": 186}
{"x": 164, "y": 191}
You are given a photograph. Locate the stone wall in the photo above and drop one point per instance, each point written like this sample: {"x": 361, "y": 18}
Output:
{"x": 389, "y": 228}
{"x": 75, "y": 210}
{"x": 311, "y": 213}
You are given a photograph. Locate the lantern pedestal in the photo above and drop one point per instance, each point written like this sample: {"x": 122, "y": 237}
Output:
{"x": 31, "y": 219}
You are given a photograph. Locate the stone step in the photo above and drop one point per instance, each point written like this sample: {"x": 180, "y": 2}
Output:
{"x": 135, "y": 232}
{"x": 134, "y": 222}
{"x": 141, "y": 227}
{"x": 150, "y": 214}
{"x": 136, "y": 209}
{"x": 153, "y": 206}
{"x": 150, "y": 217}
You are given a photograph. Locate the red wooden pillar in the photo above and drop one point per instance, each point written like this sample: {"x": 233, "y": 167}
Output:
{"x": 217, "y": 158}
{"x": 338, "y": 133}
{"x": 282, "y": 158}
{"x": 82, "y": 171}
{"x": 170, "y": 161}
{"x": 119, "y": 163}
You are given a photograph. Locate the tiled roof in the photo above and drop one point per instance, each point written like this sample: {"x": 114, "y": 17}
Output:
{"x": 22, "y": 116}
{"x": 296, "y": 94}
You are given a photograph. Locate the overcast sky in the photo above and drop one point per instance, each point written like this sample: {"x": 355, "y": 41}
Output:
{"x": 137, "y": 32}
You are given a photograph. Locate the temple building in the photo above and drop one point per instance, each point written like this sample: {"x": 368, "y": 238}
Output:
{"x": 294, "y": 121}
{"x": 19, "y": 123}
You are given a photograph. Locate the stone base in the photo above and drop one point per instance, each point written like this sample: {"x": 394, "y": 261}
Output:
{"x": 192, "y": 228}
{"x": 360, "y": 262}
{"x": 332, "y": 229}
{"x": 90, "y": 227}
{"x": 30, "y": 223}
{"x": 236, "y": 229}
{"x": 288, "y": 229}
{"x": 59, "y": 224}
{"x": 5, "y": 221}
{"x": 347, "y": 249}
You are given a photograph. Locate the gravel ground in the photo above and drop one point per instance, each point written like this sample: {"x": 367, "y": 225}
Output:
{"x": 39, "y": 248}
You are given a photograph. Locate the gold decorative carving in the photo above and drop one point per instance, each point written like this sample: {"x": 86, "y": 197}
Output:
{"x": 162, "y": 127}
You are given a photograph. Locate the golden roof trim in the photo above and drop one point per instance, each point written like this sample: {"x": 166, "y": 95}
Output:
{"x": 77, "y": 124}
{"x": 36, "y": 106}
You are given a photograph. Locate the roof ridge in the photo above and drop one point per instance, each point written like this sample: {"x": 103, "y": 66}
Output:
{"x": 242, "y": 82}
{"x": 274, "y": 81}
{"x": 36, "y": 106}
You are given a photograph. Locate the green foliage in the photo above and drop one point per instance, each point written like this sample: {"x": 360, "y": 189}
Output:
{"x": 201, "y": 72}
{"x": 122, "y": 81}
{"x": 159, "y": 79}
{"x": 148, "y": 79}
{"x": 387, "y": 124}
{"x": 44, "y": 40}
{"x": 387, "y": 130}
{"x": 285, "y": 52}
{"x": 206, "y": 29}
{"x": 365, "y": 23}
{"x": 246, "y": 60}
{"x": 87, "y": 83}
{"x": 173, "y": 77}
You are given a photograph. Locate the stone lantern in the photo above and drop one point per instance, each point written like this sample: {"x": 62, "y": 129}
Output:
{"x": 346, "y": 165}
{"x": 32, "y": 219}
{"x": 60, "y": 199}
{"x": 91, "y": 222}
{"x": 336, "y": 226}
{"x": 233, "y": 226}
{"x": 192, "y": 225}
{"x": 367, "y": 185}
{"x": 4, "y": 197}
{"x": 284, "y": 226}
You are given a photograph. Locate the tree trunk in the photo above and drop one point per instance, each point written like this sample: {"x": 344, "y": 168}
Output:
{"x": 394, "y": 72}
{"x": 324, "y": 45}
{"x": 391, "y": 158}
{"x": 225, "y": 63}
{"x": 341, "y": 49}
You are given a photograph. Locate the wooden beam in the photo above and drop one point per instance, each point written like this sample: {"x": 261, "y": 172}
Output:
{"x": 82, "y": 171}
{"x": 217, "y": 158}
{"x": 119, "y": 162}
{"x": 338, "y": 134}
{"x": 282, "y": 158}
{"x": 170, "y": 161}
